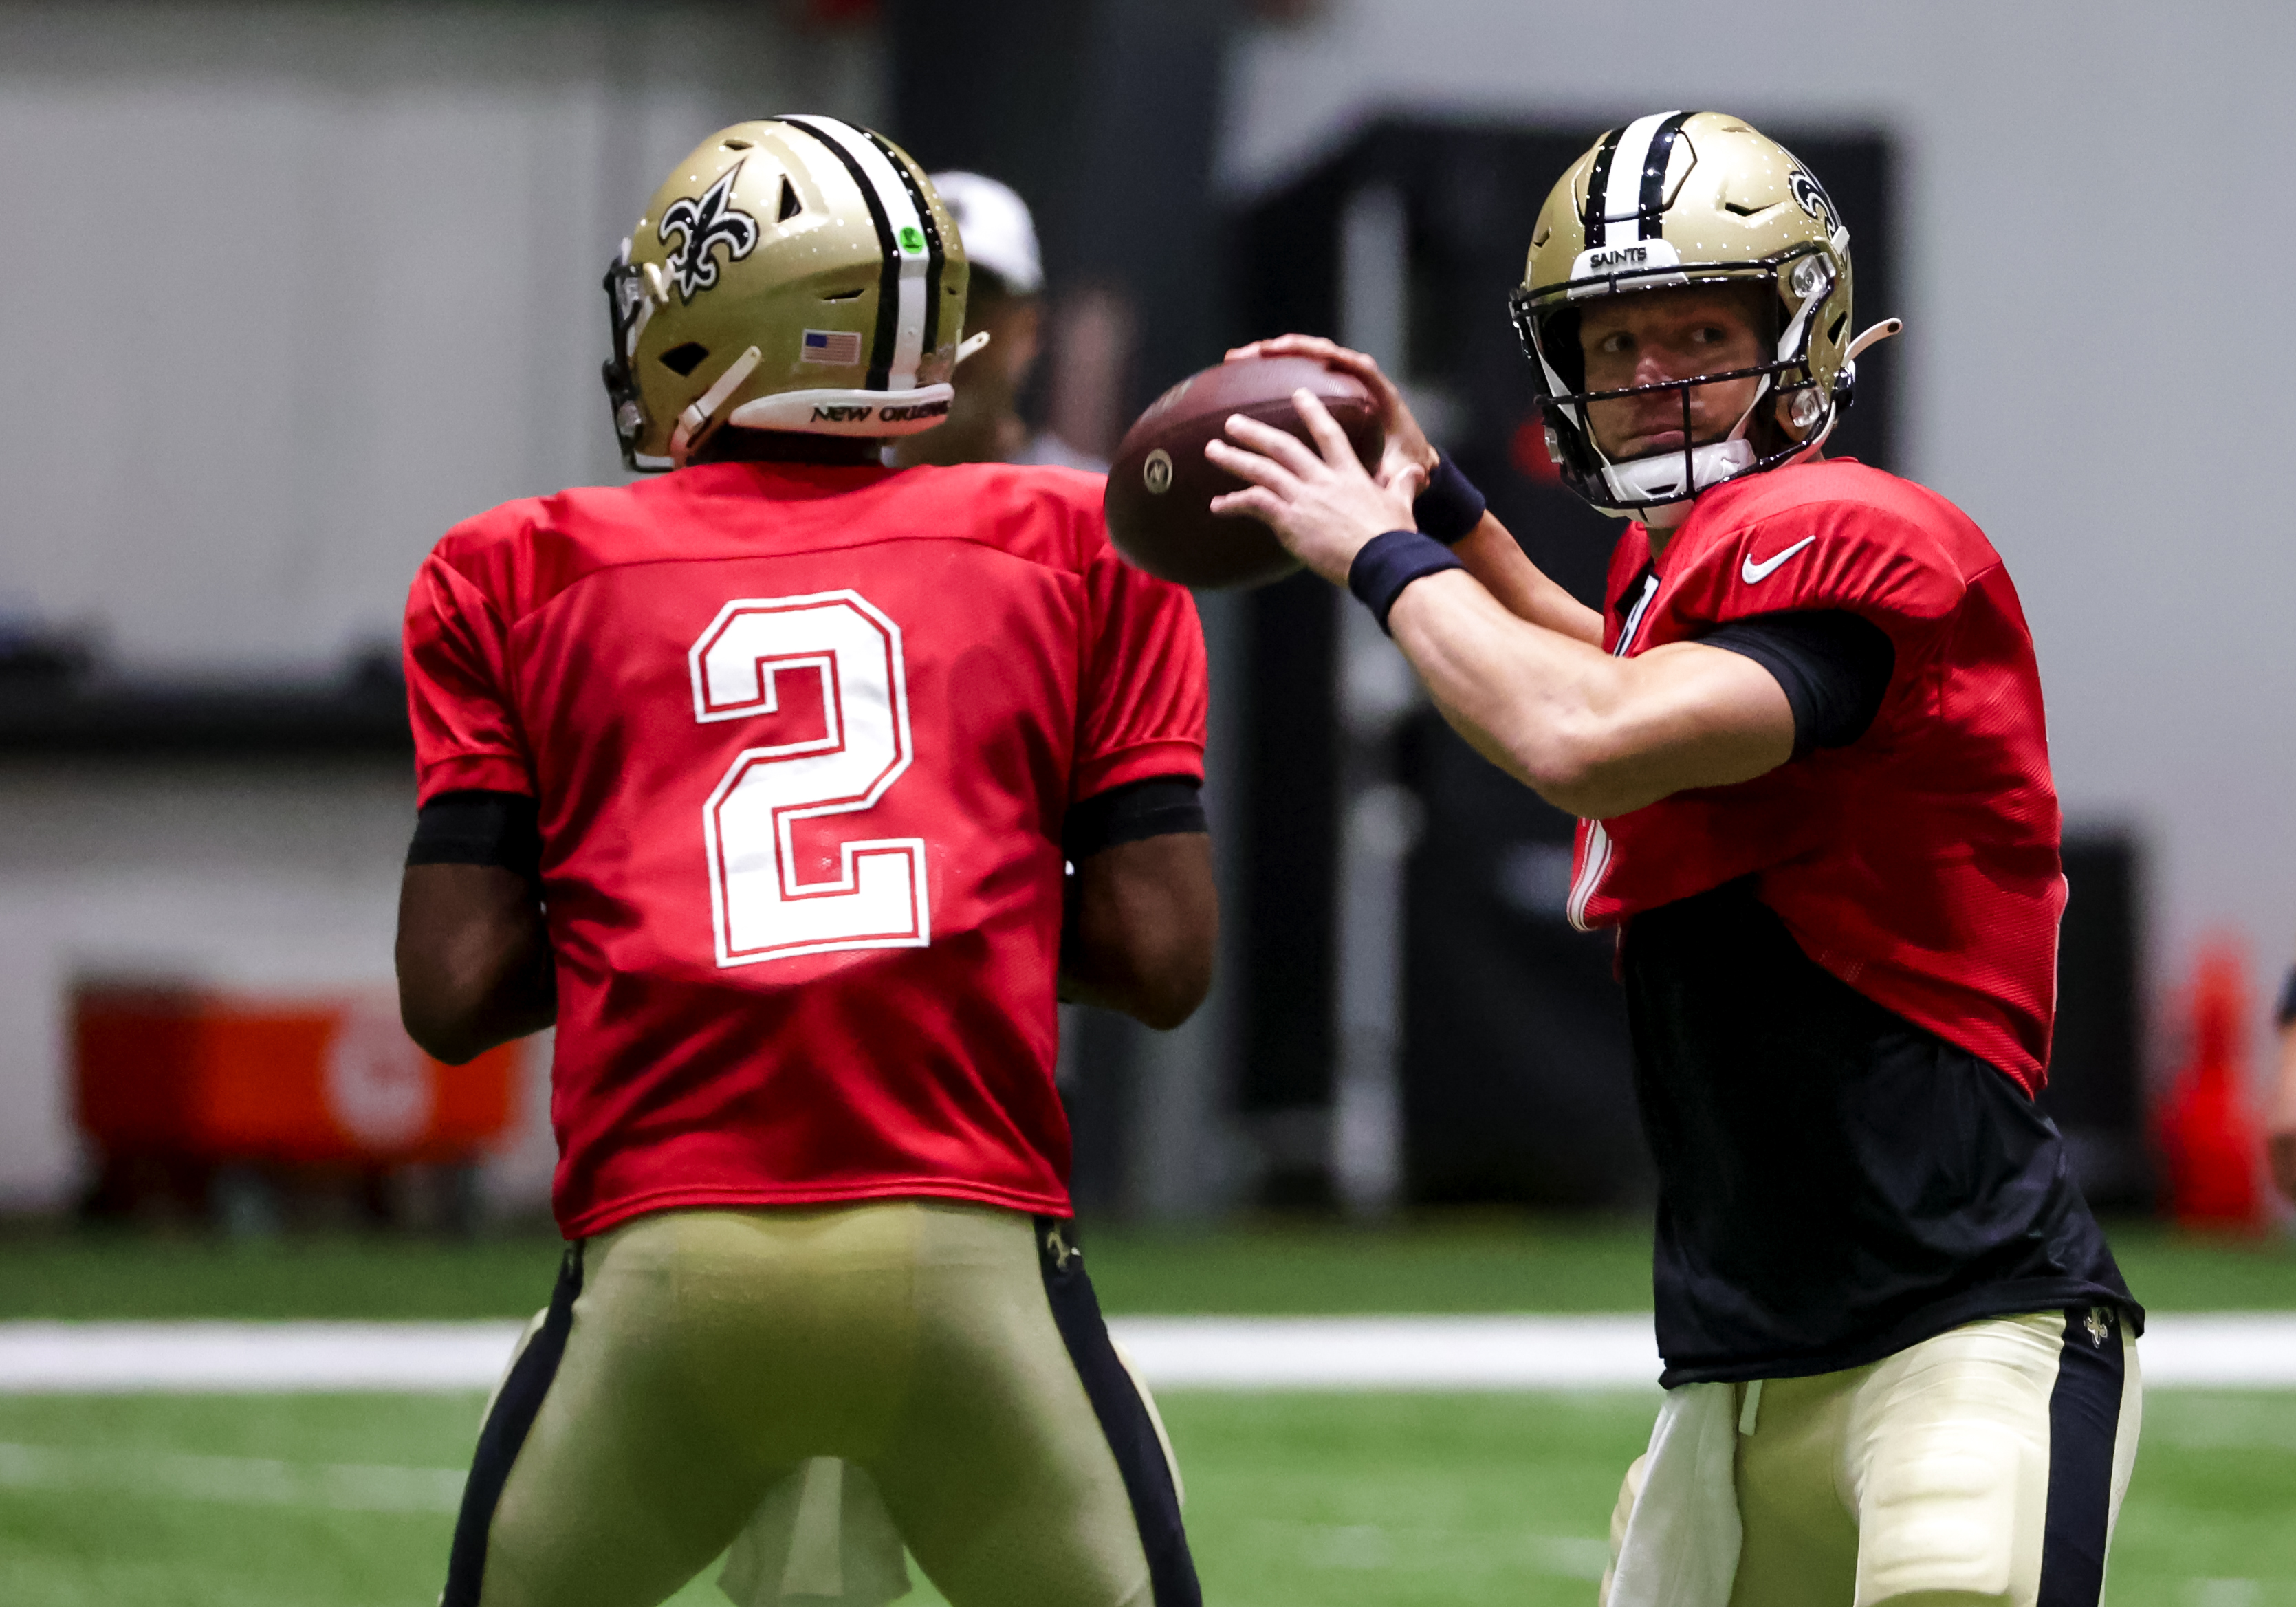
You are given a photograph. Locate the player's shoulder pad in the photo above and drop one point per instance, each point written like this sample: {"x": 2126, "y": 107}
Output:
{"x": 520, "y": 554}
{"x": 1043, "y": 510}
{"x": 1827, "y": 535}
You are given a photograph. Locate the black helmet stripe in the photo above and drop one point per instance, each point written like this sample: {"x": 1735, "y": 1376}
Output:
{"x": 1653, "y": 200}
{"x": 1598, "y": 182}
{"x": 1629, "y": 182}
{"x": 935, "y": 253}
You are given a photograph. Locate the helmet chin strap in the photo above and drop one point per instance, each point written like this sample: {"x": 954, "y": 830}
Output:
{"x": 1722, "y": 460}
{"x": 698, "y": 422}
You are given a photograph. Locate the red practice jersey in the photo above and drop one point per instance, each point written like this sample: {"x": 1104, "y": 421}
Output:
{"x": 802, "y": 740}
{"x": 1920, "y": 863}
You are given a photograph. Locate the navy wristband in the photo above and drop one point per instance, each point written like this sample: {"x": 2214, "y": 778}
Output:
{"x": 1449, "y": 508}
{"x": 1389, "y": 562}
{"x": 2285, "y": 1015}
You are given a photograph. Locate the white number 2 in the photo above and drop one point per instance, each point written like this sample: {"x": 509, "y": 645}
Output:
{"x": 763, "y": 907}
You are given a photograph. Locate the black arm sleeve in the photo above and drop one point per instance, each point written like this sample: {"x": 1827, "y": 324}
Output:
{"x": 1160, "y": 806}
{"x": 1834, "y": 667}
{"x": 478, "y": 828}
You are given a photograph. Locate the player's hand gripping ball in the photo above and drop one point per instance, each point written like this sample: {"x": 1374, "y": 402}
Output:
{"x": 1161, "y": 487}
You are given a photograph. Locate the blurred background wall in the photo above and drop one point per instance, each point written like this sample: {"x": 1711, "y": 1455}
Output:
{"x": 297, "y": 286}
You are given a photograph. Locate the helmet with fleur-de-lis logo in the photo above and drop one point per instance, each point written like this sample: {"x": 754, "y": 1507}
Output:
{"x": 794, "y": 274}
{"x": 1691, "y": 198}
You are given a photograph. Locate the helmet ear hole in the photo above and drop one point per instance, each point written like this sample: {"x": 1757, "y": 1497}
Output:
{"x": 683, "y": 360}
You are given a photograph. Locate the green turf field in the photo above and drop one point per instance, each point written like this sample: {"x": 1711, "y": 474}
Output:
{"x": 345, "y": 1501}
{"x": 1333, "y": 1499}
{"x": 1481, "y": 1263}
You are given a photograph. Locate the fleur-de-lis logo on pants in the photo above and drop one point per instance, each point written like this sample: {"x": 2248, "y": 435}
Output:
{"x": 710, "y": 221}
{"x": 2099, "y": 1326}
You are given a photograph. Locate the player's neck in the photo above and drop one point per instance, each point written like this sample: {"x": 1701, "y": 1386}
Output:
{"x": 1660, "y": 533}
{"x": 733, "y": 446}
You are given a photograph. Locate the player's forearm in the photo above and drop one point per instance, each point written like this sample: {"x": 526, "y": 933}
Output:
{"x": 1531, "y": 700}
{"x": 1522, "y": 587}
{"x": 1594, "y": 735}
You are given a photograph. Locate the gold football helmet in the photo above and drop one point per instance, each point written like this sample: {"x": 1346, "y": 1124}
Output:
{"x": 1691, "y": 198}
{"x": 795, "y": 274}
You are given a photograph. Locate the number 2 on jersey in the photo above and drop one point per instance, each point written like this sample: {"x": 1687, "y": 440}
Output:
{"x": 763, "y": 905}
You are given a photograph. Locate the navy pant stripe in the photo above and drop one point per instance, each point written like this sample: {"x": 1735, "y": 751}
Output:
{"x": 2084, "y": 1422}
{"x": 505, "y": 1433}
{"x": 1123, "y": 1416}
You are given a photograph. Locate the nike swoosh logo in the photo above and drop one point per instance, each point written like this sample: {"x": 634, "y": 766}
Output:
{"x": 1750, "y": 571}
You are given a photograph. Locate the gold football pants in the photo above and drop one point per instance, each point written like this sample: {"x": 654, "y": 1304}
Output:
{"x": 1982, "y": 1468}
{"x": 691, "y": 1360}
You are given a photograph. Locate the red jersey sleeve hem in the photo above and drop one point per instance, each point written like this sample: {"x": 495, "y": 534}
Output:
{"x": 598, "y": 1218}
{"x": 1139, "y": 762}
{"x": 473, "y": 773}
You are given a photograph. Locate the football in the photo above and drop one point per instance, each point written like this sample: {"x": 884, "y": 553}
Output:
{"x": 1161, "y": 486}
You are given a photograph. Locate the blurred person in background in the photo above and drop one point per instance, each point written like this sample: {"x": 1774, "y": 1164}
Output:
{"x": 1804, "y": 739}
{"x": 984, "y": 423}
{"x": 2281, "y": 1118}
{"x": 757, "y": 780}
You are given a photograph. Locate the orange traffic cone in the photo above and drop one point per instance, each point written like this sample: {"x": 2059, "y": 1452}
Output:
{"x": 2212, "y": 1142}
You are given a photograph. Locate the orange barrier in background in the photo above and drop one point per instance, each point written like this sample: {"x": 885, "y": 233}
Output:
{"x": 2212, "y": 1142}
{"x": 203, "y": 1075}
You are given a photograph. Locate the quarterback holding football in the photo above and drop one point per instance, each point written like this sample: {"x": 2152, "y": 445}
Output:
{"x": 1804, "y": 739}
{"x": 759, "y": 779}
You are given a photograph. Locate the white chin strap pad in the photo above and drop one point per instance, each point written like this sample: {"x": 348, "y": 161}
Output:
{"x": 870, "y": 413}
{"x": 1658, "y": 478}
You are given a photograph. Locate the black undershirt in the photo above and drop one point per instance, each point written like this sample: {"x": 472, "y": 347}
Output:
{"x": 500, "y": 828}
{"x": 1834, "y": 665}
{"x": 1836, "y": 1183}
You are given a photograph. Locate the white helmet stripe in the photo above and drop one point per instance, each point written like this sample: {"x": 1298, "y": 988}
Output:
{"x": 1622, "y": 195}
{"x": 898, "y": 208}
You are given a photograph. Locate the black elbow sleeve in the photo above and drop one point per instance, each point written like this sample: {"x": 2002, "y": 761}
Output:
{"x": 480, "y": 828}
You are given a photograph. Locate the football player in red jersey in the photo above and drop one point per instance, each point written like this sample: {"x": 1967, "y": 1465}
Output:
{"x": 1804, "y": 738}
{"x": 758, "y": 780}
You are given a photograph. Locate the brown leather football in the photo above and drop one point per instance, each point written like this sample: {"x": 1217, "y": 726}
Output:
{"x": 1161, "y": 486}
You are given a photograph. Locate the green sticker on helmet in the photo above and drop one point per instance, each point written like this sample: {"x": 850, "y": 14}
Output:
{"x": 913, "y": 241}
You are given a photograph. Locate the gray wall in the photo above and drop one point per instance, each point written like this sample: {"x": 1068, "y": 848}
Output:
{"x": 293, "y": 289}
{"x": 2095, "y": 365}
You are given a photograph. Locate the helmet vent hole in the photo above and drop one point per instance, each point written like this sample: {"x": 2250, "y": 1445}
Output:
{"x": 790, "y": 207}
{"x": 840, "y": 295}
{"x": 683, "y": 360}
{"x": 1743, "y": 212}
{"x": 735, "y": 145}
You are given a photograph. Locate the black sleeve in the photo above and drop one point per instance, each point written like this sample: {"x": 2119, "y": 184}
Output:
{"x": 1834, "y": 665}
{"x": 478, "y": 828}
{"x": 1159, "y": 806}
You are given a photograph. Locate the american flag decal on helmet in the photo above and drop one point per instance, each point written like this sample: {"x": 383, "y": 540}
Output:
{"x": 837, "y": 347}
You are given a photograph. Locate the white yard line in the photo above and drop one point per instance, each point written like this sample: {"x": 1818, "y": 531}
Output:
{"x": 252, "y": 1358}
{"x": 2225, "y": 1350}
{"x": 1391, "y": 1352}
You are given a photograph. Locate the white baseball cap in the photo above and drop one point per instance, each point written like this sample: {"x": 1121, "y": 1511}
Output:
{"x": 995, "y": 225}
